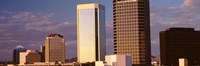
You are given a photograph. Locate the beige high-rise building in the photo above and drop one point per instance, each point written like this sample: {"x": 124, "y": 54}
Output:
{"x": 55, "y": 48}
{"x": 132, "y": 30}
{"x": 91, "y": 37}
{"x": 29, "y": 57}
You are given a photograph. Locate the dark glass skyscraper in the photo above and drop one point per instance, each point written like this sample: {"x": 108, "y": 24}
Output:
{"x": 178, "y": 43}
{"x": 132, "y": 30}
{"x": 16, "y": 52}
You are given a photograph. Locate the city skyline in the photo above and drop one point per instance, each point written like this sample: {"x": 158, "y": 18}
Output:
{"x": 12, "y": 19}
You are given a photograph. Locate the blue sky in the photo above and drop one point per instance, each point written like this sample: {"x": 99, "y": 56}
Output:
{"x": 27, "y": 22}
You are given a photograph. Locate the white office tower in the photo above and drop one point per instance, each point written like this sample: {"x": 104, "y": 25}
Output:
{"x": 91, "y": 35}
{"x": 118, "y": 60}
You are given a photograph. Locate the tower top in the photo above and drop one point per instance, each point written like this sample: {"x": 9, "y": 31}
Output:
{"x": 19, "y": 46}
{"x": 55, "y": 35}
{"x": 130, "y": 0}
{"x": 89, "y": 6}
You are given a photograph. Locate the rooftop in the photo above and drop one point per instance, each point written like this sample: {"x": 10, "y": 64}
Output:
{"x": 55, "y": 35}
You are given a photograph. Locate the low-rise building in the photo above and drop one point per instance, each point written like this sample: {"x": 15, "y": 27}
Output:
{"x": 29, "y": 57}
{"x": 52, "y": 64}
{"x": 118, "y": 60}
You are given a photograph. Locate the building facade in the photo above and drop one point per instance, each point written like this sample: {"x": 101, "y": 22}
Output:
{"x": 16, "y": 52}
{"x": 55, "y": 48}
{"x": 29, "y": 57}
{"x": 118, "y": 60}
{"x": 91, "y": 37}
{"x": 132, "y": 30}
{"x": 183, "y": 62}
{"x": 42, "y": 53}
{"x": 178, "y": 43}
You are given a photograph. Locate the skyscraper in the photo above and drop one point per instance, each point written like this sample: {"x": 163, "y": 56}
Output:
{"x": 176, "y": 43}
{"x": 132, "y": 30}
{"x": 55, "y": 48}
{"x": 16, "y": 52}
{"x": 91, "y": 32}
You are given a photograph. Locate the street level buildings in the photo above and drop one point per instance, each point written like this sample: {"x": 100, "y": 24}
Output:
{"x": 91, "y": 37}
{"x": 178, "y": 43}
{"x": 55, "y": 48}
{"x": 132, "y": 30}
{"x": 118, "y": 60}
{"x": 29, "y": 57}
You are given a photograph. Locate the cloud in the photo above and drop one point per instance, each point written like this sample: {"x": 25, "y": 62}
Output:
{"x": 38, "y": 21}
{"x": 191, "y": 3}
{"x": 2, "y": 17}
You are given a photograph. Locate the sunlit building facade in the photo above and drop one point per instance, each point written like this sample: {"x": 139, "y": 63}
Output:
{"x": 29, "y": 57}
{"x": 118, "y": 60}
{"x": 91, "y": 32}
{"x": 55, "y": 48}
{"x": 132, "y": 30}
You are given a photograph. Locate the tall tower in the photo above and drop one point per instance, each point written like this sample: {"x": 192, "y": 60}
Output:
{"x": 132, "y": 30}
{"x": 91, "y": 32}
{"x": 55, "y": 48}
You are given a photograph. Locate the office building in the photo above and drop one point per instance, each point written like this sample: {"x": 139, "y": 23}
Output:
{"x": 91, "y": 37}
{"x": 29, "y": 57}
{"x": 55, "y": 48}
{"x": 178, "y": 43}
{"x": 183, "y": 62}
{"x": 16, "y": 52}
{"x": 132, "y": 30}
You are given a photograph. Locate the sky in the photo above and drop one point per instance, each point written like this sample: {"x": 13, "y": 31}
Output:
{"x": 28, "y": 22}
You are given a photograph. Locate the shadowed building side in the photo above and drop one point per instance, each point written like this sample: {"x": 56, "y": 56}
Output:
{"x": 178, "y": 43}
